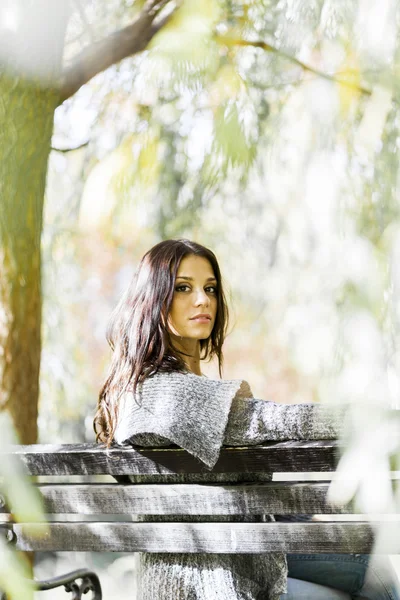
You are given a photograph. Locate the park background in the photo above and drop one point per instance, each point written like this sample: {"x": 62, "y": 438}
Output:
{"x": 266, "y": 130}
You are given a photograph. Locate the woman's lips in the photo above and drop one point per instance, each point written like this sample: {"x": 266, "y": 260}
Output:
{"x": 201, "y": 319}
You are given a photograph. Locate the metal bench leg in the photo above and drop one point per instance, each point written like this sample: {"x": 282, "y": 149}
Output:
{"x": 90, "y": 582}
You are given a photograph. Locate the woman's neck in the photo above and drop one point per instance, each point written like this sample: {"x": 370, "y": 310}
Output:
{"x": 189, "y": 351}
{"x": 193, "y": 364}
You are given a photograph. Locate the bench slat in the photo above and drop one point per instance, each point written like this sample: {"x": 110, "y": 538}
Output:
{"x": 184, "y": 499}
{"x": 199, "y": 537}
{"x": 92, "y": 459}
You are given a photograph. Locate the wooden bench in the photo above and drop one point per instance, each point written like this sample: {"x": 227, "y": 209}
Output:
{"x": 81, "y": 512}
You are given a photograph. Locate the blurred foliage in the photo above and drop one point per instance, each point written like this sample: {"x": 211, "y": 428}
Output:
{"x": 27, "y": 507}
{"x": 270, "y": 132}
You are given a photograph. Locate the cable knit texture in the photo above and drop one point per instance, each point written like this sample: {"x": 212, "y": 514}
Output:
{"x": 200, "y": 415}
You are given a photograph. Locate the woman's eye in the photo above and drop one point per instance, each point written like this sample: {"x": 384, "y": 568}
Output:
{"x": 211, "y": 289}
{"x": 182, "y": 288}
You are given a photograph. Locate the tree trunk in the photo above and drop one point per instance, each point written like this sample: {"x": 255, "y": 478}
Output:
{"x": 30, "y": 66}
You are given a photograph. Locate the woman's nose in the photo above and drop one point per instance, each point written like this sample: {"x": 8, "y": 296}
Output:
{"x": 202, "y": 298}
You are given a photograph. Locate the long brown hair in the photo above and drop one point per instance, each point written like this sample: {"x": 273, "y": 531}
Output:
{"x": 137, "y": 331}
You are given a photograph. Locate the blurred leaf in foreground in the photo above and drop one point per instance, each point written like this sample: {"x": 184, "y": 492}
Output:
{"x": 26, "y": 506}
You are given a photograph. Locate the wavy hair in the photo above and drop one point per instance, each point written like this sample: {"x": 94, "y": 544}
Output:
{"x": 137, "y": 331}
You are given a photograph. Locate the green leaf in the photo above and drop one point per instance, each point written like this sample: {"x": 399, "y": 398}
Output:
{"x": 230, "y": 136}
{"x": 24, "y": 498}
{"x": 187, "y": 39}
{"x": 14, "y": 574}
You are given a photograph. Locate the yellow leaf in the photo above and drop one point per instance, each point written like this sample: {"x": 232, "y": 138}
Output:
{"x": 348, "y": 91}
{"x": 99, "y": 198}
{"x": 148, "y": 166}
{"x": 227, "y": 85}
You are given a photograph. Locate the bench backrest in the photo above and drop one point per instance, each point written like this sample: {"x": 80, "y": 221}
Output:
{"x": 104, "y": 509}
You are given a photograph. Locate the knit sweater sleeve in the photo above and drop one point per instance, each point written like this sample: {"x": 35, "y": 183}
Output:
{"x": 253, "y": 421}
{"x": 179, "y": 408}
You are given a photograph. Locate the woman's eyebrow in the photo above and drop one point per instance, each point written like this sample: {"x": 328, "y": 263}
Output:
{"x": 191, "y": 278}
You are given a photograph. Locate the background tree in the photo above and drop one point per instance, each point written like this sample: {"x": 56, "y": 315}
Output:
{"x": 28, "y": 99}
{"x": 32, "y": 84}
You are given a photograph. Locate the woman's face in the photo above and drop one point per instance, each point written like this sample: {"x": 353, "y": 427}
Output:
{"x": 194, "y": 304}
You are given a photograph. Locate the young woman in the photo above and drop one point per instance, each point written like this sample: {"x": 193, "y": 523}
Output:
{"x": 172, "y": 316}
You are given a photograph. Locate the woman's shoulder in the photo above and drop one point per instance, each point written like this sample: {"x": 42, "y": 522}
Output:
{"x": 192, "y": 382}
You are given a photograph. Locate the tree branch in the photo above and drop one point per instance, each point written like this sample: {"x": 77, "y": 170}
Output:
{"x": 65, "y": 150}
{"x": 123, "y": 43}
{"x": 264, "y": 46}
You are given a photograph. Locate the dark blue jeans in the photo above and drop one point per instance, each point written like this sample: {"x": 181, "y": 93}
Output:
{"x": 358, "y": 575}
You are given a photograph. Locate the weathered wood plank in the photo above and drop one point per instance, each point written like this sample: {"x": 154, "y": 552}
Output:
{"x": 184, "y": 499}
{"x": 198, "y": 537}
{"x": 92, "y": 459}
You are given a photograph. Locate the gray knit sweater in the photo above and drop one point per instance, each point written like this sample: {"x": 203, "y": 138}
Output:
{"x": 200, "y": 415}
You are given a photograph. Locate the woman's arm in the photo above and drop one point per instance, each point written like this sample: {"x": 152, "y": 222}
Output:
{"x": 253, "y": 421}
